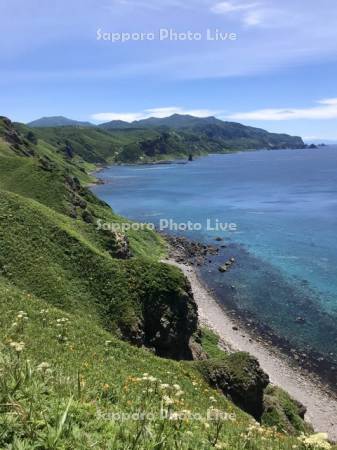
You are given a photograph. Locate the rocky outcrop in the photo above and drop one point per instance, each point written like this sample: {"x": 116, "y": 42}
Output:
{"x": 184, "y": 250}
{"x": 196, "y": 346}
{"x": 240, "y": 377}
{"x": 18, "y": 143}
{"x": 283, "y": 412}
{"x": 228, "y": 264}
{"x": 170, "y": 322}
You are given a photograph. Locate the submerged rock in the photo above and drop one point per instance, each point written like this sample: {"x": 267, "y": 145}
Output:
{"x": 227, "y": 265}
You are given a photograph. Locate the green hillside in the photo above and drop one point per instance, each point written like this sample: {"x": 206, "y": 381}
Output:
{"x": 159, "y": 139}
{"x": 94, "y": 328}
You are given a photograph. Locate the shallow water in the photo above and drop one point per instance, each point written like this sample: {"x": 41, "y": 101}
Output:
{"x": 284, "y": 204}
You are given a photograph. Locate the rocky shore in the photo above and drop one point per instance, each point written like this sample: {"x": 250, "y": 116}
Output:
{"x": 304, "y": 386}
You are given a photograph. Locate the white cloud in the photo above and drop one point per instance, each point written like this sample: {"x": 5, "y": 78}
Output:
{"x": 229, "y": 7}
{"x": 251, "y": 14}
{"x": 152, "y": 112}
{"x": 253, "y": 18}
{"x": 303, "y": 36}
{"x": 255, "y": 14}
{"x": 326, "y": 109}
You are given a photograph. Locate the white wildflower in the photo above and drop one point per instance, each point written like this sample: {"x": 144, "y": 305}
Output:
{"x": 179, "y": 393}
{"x": 17, "y": 346}
{"x": 43, "y": 367}
{"x": 318, "y": 440}
{"x": 168, "y": 400}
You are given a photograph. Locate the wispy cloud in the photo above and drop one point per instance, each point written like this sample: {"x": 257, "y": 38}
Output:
{"x": 303, "y": 36}
{"x": 266, "y": 15}
{"x": 325, "y": 109}
{"x": 251, "y": 14}
{"x": 254, "y": 18}
{"x": 229, "y": 7}
{"x": 152, "y": 112}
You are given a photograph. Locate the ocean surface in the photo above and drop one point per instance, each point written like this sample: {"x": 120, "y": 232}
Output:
{"x": 284, "y": 206}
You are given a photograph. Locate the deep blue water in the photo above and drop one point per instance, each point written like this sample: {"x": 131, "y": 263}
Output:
{"x": 285, "y": 206}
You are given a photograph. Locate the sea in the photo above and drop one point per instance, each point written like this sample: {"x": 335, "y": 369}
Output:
{"x": 276, "y": 212}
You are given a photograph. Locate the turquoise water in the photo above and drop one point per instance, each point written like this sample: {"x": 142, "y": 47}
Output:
{"x": 284, "y": 204}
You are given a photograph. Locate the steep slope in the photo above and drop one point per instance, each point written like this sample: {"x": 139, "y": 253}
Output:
{"x": 68, "y": 384}
{"x": 68, "y": 263}
{"x": 73, "y": 300}
{"x": 93, "y": 145}
{"x": 153, "y": 139}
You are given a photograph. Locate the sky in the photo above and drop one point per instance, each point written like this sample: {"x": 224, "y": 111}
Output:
{"x": 265, "y": 63}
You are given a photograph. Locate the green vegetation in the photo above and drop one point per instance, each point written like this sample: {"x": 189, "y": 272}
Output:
{"x": 234, "y": 374}
{"x": 283, "y": 412}
{"x": 93, "y": 144}
{"x": 210, "y": 343}
{"x": 157, "y": 139}
{"x": 65, "y": 380}
{"x": 86, "y": 317}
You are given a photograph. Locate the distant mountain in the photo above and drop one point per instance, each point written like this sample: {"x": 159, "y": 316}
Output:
{"x": 57, "y": 121}
{"x": 175, "y": 121}
{"x": 177, "y": 136}
{"x": 179, "y": 121}
{"x": 116, "y": 124}
{"x": 209, "y": 134}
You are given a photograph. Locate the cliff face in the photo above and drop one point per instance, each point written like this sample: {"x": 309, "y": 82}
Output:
{"x": 104, "y": 272}
{"x": 170, "y": 321}
{"x": 74, "y": 297}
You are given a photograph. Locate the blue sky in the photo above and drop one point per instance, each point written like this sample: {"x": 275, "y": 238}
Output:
{"x": 279, "y": 73}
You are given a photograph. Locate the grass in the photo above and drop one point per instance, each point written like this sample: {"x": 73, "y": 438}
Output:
{"x": 80, "y": 391}
{"x": 282, "y": 412}
{"x": 69, "y": 379}
{"x": 210, "y": 343}
{"x": 65, "y": 262}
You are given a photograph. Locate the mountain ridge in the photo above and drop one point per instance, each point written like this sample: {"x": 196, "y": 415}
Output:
{"x": 57, "y": 121}
{"x": 174, "y": 137}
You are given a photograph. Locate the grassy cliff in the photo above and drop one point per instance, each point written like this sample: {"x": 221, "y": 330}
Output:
{"x": 95, "y": 332}
{"x": 174, "y": 137}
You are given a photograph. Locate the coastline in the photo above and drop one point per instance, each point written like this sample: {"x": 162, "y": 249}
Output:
{"x": 320, "y": 403}
{"x": 175, "y": 159}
